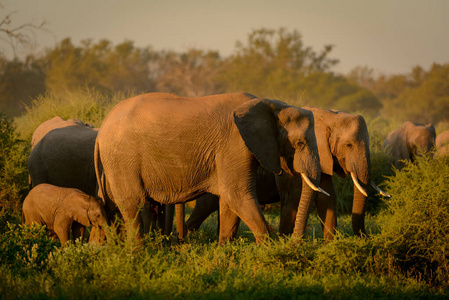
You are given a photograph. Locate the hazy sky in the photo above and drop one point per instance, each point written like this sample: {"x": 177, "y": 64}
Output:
{"x": 390, "y": 36}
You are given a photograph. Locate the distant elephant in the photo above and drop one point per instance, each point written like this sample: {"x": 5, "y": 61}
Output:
{"x": 63, "y": 210}
{"x": 175, "y": 149}
{"x": 407, "y": 142}
{"x": 442, "y": 144}
{"x": 343, "y": 146}
{"x": 54, "y": 123}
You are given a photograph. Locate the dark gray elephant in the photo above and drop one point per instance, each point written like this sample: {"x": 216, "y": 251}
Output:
{"x": 343, "y": 146}
{"x": 63, "y": 210}
{"x": 64, "y": 157}
{"x": 442, "y": 144}
{"x": 409, "y": 141}
{"x": 175, "y": 149}
{"x": 54, "y": 123}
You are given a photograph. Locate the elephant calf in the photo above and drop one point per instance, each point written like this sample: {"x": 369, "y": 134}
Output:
{"x": 62, "y": 210}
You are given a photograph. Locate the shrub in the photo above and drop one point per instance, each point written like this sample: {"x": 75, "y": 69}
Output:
{"x": 13, "y": 165}
{"x": 415, "y": 221}
{"x": 88, "y": 105}
{"x": 26, "y": 249}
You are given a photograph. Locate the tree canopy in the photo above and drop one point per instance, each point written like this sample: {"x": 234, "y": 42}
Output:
{"x": 270, "y": 64}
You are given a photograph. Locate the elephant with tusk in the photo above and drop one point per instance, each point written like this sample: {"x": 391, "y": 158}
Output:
{"x": 343, "y": 146}
{"x": 175, "y": 149}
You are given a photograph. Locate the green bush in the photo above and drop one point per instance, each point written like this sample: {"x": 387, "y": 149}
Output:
{"x": 13, "y": 166}
{"x": 88, "y": 105}
{"x": 26, "y": 249}
{"x": 415, "y": 221}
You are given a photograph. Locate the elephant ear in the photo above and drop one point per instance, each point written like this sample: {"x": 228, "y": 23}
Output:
{"x": 432, "y": 130}
{"x": 256, "y": 123}
{"x": 322, "y": 134}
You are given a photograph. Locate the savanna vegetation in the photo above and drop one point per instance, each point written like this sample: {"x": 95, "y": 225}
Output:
{"x": 404, "y": 256}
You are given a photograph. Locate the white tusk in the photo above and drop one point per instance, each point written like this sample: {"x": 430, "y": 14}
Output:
{"x": 379, "y": 190}
{"x": 357, "y": 184}
{"x": 312, "y": 186}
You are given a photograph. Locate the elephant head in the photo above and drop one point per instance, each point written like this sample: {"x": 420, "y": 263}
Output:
{"x": 410, "y": 141}
{"x": 343, "y": 145}
{"x": 96, "y": 212}
{"x": 282, "y": 138}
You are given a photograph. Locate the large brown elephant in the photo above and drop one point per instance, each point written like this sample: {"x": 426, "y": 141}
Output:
{"x": 442, "y": 144}
{"x": 175, "y": 149}
{"x": 409, "y": 141}
{"x": 63, "y": 210}
{"x": 343, "y": 146}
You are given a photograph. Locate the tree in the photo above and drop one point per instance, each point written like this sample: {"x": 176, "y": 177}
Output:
{"x": 192, "y": 73}
{"x": 278, "y": 64}
{"x": 19, "y": 83}
{"x": 17, "y": 35}
{"x": 100, "y": 66}
{"x": 420, "y": 96}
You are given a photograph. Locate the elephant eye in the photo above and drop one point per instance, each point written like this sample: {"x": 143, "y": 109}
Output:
{"x": 299, "y": 144}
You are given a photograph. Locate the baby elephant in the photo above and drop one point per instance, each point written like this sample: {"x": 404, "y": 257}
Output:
{"x": 62, "y": 210}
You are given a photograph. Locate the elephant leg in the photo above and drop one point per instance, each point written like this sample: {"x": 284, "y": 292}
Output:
{"x": 248, "y": 210}
{"x": 204, "y": 207}
{"x": 153, "y": 214}
{"x": 168, "y": 221}
{"x": 228, "y": 225}
{"x": 180, "y": 223}
{"x": 78, "y": 231}
{"x": 326, "y": 207}
{"x": 288, "y": 216}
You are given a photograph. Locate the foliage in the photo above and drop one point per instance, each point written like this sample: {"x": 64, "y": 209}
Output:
{"x": 19, "y": 83}
{"x": 283, "y": 268}
{"x": 25, "y": 249}
{"x": 192, "y": 73}
{"x": 88, "y": 105}
{"x": 278, "y": 64}
{"x": 415, "y": 221}
{"x": 13, "y": 165}
{"x": 99, "y": 66}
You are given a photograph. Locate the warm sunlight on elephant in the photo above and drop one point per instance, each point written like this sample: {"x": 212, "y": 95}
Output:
{"x": 175, "y": 149}
{"x": 343, "y": 146}
{"x": 63, "y": 210}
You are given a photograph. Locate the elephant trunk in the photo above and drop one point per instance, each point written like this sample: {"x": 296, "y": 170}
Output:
{"x": 307, "y": 196}
{"x": 361, "y": 181}
{"x": 358, "y": 212}
{"x": 310, "y": 171}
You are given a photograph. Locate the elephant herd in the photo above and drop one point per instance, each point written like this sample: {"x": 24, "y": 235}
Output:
{"x": 229, "y": 152}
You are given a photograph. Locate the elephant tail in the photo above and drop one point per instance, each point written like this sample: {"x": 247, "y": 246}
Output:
{"x": 99, "y": 172}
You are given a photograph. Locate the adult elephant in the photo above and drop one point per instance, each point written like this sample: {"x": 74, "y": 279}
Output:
{"x": 343, "y": 146}
{"x": 442, "y": 143}
{"x": 174, "y": 149}
{"x": 64, "y": 157}
{"x": 409, "y": 141}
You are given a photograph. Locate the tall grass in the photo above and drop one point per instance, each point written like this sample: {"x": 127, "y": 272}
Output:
{"x": 88, "y": 105}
